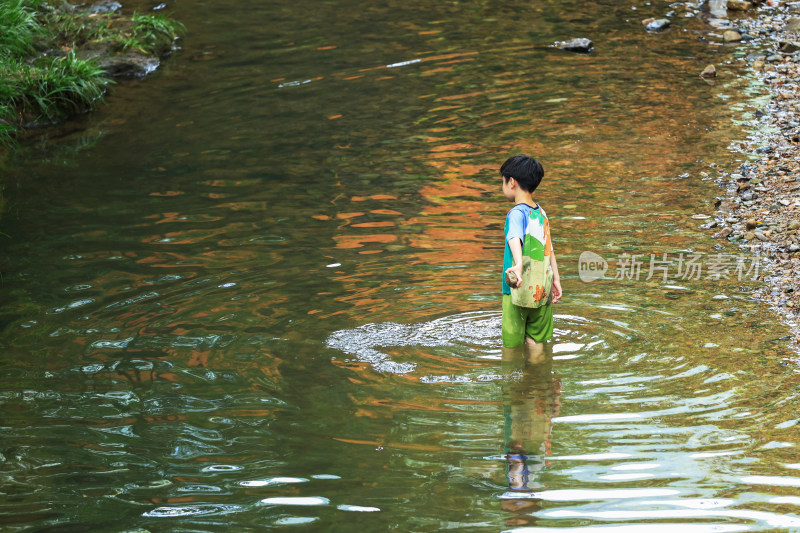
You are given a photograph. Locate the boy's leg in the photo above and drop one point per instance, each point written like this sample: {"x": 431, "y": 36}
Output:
{"x": 538, "y": 330}
{"x": 514, "y": 323}
{"x": 535, "y": 351}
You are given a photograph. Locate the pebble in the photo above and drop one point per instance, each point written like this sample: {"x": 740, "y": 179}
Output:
{"x": 730, "y": 36}
{"x": 723, "y": 233}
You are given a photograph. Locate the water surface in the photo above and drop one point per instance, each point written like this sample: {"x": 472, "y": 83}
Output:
{"x": 260, "y": 288}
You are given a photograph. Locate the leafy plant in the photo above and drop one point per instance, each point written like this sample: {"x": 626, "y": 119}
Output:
{"x": 19, "y": 28}
{"x": 57, "y": 87}
{"x": 156, "y": 32}
{"x": 48, "y": 89}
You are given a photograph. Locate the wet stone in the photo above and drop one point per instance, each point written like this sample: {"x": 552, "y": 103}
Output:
{"x": 657, "y": 25}
{"x": 580, "y": 45}
{"x": 792, "y": 25}
{"x": 730, "y": 36}
{"x": 104, "y": 6}
{"x": 739, "y": 5}
{"x": 789, "y": 47}
{"x": 130, "y": 65}
{"x": 723, "y": 233}
{"x": 709, "y": 72}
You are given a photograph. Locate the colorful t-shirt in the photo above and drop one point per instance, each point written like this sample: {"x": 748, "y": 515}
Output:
{"x": 517, "y": 221}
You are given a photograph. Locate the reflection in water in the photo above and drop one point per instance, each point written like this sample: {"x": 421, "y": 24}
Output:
{"x": 531, "y": 399}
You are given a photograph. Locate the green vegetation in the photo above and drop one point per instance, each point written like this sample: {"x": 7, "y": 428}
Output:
{"x": 49, "y": 56}
{"x": 149, "y": 34}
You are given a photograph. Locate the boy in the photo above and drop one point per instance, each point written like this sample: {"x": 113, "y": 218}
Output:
{"x": 529, "y": 326}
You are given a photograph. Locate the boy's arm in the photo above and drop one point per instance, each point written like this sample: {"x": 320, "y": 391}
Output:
{"x": 556, "y": 278}
{"x": 515, "y": 245}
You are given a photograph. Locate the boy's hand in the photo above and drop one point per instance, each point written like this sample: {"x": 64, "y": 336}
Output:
{"x": 517, "y": 270}
{"x": 556, "y": 290}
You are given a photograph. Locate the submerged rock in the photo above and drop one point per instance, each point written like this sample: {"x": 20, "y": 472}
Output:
{"x": 709, "y": 72}
{"x": 657, "y": 25}
{"x": 128, "y": 66}
{"x": 581, "y": 45}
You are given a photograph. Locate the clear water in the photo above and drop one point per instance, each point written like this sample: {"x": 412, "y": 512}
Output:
{"x": 260, "y": 289}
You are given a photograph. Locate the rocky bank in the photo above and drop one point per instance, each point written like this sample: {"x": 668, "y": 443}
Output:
{"x": 760, "y": 207}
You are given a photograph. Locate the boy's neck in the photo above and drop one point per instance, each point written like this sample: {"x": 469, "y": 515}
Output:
{"x": 524, "y": 197}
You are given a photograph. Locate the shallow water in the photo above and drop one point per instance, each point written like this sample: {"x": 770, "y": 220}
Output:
{"x": 260, "y": 288}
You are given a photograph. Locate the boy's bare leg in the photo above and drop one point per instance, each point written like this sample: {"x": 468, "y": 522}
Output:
{"x": 535, "y": 351}
{"x": 514, "y": 358}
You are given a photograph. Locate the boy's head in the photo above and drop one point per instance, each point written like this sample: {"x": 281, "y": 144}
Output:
{"x": 527, "y": 171}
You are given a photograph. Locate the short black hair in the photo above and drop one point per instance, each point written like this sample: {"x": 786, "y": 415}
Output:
{"x": 526, "y": 170}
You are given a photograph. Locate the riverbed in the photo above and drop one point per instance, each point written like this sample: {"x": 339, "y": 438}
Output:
{"x": 260, "y": 288}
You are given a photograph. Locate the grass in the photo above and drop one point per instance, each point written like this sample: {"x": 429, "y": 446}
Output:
{"x": 19, "y": 28}
{"x": 42, "y": 79}
{"x": 54, "y": 88}
{"x": 149, "y": 34}
{"x": 156, "y": 32}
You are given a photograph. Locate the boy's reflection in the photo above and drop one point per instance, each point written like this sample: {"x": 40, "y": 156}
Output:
{"x": 531, "y": 399}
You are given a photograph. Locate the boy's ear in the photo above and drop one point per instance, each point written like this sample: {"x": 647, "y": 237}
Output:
{"x": 512, "y": 182}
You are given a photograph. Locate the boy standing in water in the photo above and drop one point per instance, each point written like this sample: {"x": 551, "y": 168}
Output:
{"x": 531, "y": 326}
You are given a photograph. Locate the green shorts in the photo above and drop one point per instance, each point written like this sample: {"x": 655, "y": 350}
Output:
{"x": 521, "y": 322}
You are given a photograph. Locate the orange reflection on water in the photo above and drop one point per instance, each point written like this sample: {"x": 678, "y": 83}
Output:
{"x": 358, "y": 241}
